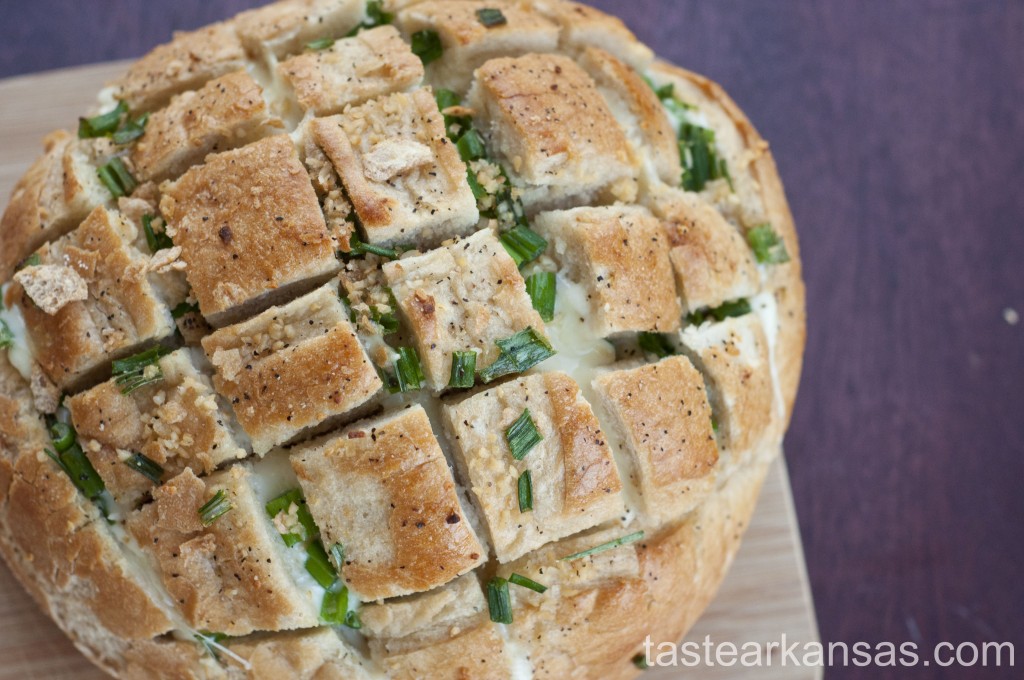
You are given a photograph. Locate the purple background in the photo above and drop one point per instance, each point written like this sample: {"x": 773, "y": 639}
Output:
{"x": 898, "y": 126}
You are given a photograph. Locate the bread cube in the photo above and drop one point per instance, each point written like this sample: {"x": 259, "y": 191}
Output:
{"x": 250, "y": 228}
{"x": 403, "y": 175}
{"x": 55, "y": 195}
{"x": 291, "y": 368}
{"x": 373, "y": 63}
{"x": 282, "y": 28}
{"x": 399, "y": 517}
{"x": 461, "y": 297}
{"x": 545, "y": 121}
{"x": 733, "y": 356}
{"x": 575, "y": 482}
{"x": 312, "y": 654}
{"x": 711, "y": 260}
{"x": 468, "y": 43}
{"x": 121, "y": 313}
{"x": 185, "y": 63}
{"x": 662, "y": 416}
{"x": 584, "y": 26}
{"x": 229, "y": 577}
{"x": 619, "y": 254}
{"x": 174, "y": 422}
{"x": 226, "y": 113}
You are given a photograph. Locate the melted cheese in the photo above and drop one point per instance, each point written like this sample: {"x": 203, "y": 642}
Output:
{"x": 20, "y": 351}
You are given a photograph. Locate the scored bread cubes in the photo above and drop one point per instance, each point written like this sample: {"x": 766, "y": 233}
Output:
{"x": 282, "y": 28}
{"x": 733, "y": 355}
{"x": 544, "y": 120}
{"x": 250, "y": 228}
{"x": 121, "y": 312}
{"x": 292, "y": 367}
{"x": 711, "y": 260}
{"x": 468, "y": 43}
{"x": 583, "y": 26}
{"x": 444, "y": 634}
{"x": 403, "y": 175}
{"x": 370, "y": 64}
{"x": 637, "y": 108}
{"x": 185, "y": 63}
{"x": 619, "y": 254}
{"x": 575, "y": 484}
{"x": 174, "y": 422}
{"x": 662, "y": 416}
{"x": 54, "y": 196}
{"x": 226, "y": 113}
{"x": 311, "y": 654}
{"x": 398, "y": 517}
{"x": 226, "y": 574}
{"x": 462, "y": 297}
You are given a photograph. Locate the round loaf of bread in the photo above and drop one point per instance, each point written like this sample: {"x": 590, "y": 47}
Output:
{"x": 347, "y": 339}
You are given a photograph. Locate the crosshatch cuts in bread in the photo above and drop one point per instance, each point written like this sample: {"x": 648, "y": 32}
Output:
{"x": 401, "y": 339}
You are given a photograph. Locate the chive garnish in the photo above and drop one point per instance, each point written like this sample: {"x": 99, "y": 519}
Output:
{"x": 357, "y": 247}
{"x": 103, "y": 124}
{"x": 427, "y": 46}
{"x": 156, "y": 241}
{"x": 491, "y": 17}
{"x": 70, "y": 458}
{"x": 283, "y": 503}
{"x": 527, "y": 583}
{"x": 32, "y": 260}
{"x": 139, "y": 370}
{"x": 656, "y": 344}
{"x": 523, "y": 244}
{"x": 701, "y": 162}
{"x": 6, "y": 336}
{"x": 445, "y": 100}
{"x": 218, "y": 505}
{"x": 319, "y": 566}
{"x": 471, "y": 146}
{"x": 463, "y": 369}
{"x": 131, "y": 130}
{"x": 338, "y": 555}
{"x": 519, "y": 353}
{"x": 630, "y": 538}
{"x": 116, "y": 178}
{"x": 334, "y": 608}
{"x": 375, "y": 16}
{"x": 183, "y": 308}
{"x": 724, "y": 311}
{"x": 541, "y": 288}
{"x": 145, "y": 466}
{"x": 768, "y": 246}
{"x": 522, "y": 436}
{"x": 352, "y": 620}
{"x": 321, "y": 44}
{"x": 640, "y": 661}
{"x": 408, "y": 371}
{"x": 478, "y": 190}
{"x": 498, "y": 600}
{"x": 525, "y": 485}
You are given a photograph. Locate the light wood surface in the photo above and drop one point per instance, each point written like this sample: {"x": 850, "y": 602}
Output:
{"x": 765, "y": 596}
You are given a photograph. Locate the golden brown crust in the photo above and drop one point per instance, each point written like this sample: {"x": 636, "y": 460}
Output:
{"x": 283, "y": 28}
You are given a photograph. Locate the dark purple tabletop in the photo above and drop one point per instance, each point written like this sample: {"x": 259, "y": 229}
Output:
{"x": 898, "y": 126}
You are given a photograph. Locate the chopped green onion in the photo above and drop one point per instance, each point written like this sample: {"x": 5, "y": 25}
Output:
{"x": 131, "y": 130}
{"x": 527, "y": 583}
{"x": 139, "y": 370}
{"x": 103, "y": 124}
{"x": 491, "y": 17}
{"x": 631, "y": 538}
{"x": 83, "y": 475}
{"x": 389, "y": 380}
{"x": 768, "y": 247}
{"x": 701, "y": 163}
{"x": 665, "y": 92}
{"x": 32, "y": 260}
{"x": 471, "y": 146}
{"x": 427, "y": 46}
{"x": 116, "y": 178}
{"x": 319, "y": 566}
{"x": 283, "y": 503}
{"x": 155, "y": 241}
{"x": 525, "y": 492}
{"x": 714, "y": 424}
{"x": 523, "y": 244}
{"x": 145, "y": 466}
{"x": 388, "y": 322}
{"x": 352, "y": 620}
{"x": 6, "y": 336}
{"x": 338, "y": 554}
{"x": 724, "y": 311}
{"x": 334, "y": 608}
{"x": 213, "y": 509}
{"x": 499, "y": 602}
{"x": 210, "y": 642}
{"x": 446, "y": 99}
{"x": 479, "y": 193}
{"x": 408, "y": 371}
{"x": 541, "y": 288}
{"x": 656, "y": 344}
{"x": 321, "y": 44}
{"x": 519, "y": 353}
{"x": 463, "y": 369}
{"x": 640, "y": 661}
{"x": 522, "y": 436}
{"x": 183, "y": 308}
{"x": 358, "y": 247}
{"x": 375, "y": 16}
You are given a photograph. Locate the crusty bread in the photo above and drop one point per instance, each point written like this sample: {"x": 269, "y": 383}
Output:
{"x": 312, "y": 248}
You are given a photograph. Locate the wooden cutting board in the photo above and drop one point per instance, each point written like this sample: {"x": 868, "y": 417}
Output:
{"x": 765, "y": 595}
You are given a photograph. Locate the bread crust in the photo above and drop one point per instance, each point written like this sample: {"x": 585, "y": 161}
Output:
{"x": 73, "y": 563}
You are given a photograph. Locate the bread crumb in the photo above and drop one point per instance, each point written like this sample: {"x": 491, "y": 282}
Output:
{"x": 168, "y": 259}
{"x": 1011, "y": 316}
{"x": 52, "y": 286}
{"x": 45, "y": 395}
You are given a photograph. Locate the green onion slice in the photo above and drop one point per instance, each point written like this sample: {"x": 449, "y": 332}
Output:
{"x": 630, "y": 538}
{"x": 218, "y": 505}
{"x": 131, "y": 130}
{"x": 358, "y": 247}
{"x": 283, "y": 503}
{"x": 471, "y": 146}
{"x": 519, "y": 353}
{"x": 640, "y": 661}
{"x": 527, "y": 583}
{"x": 155, "y": 241}
{"x": 352, "y": 620}
{"x": 83, "y": 475}
{"x": 724, "y": 311}
{"x": 523, "y": 244}
{"x": 408, "y": 371}
{"x": 491, "y": 17}
{"x": 541, "y": 288}
{"x": 32, "y": 260}
{"x": 145, "y": 466}
{"x": 103, "y": 124}
{"x": 427, "y": 46}
{"x": 522, "y": 436}
{"x": 139, "y": 370}
{"x": 463, "y": 369}
{"x": 525, "y": 492}
{"x": 768, "y": 246}
{"x": 656, "y": 344}
{"x": 6, "y": 336}
{"x": 319, "y": 565}
{"x": 338, "y": 555}
{"x": 183, "y": 308}
{"x": 116, "y": 177}
{"x": 499, "y": 602}
{"x": 375, "y": 16}
{"x": 321, "y": 44}
{"x": 334, "y": 608}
